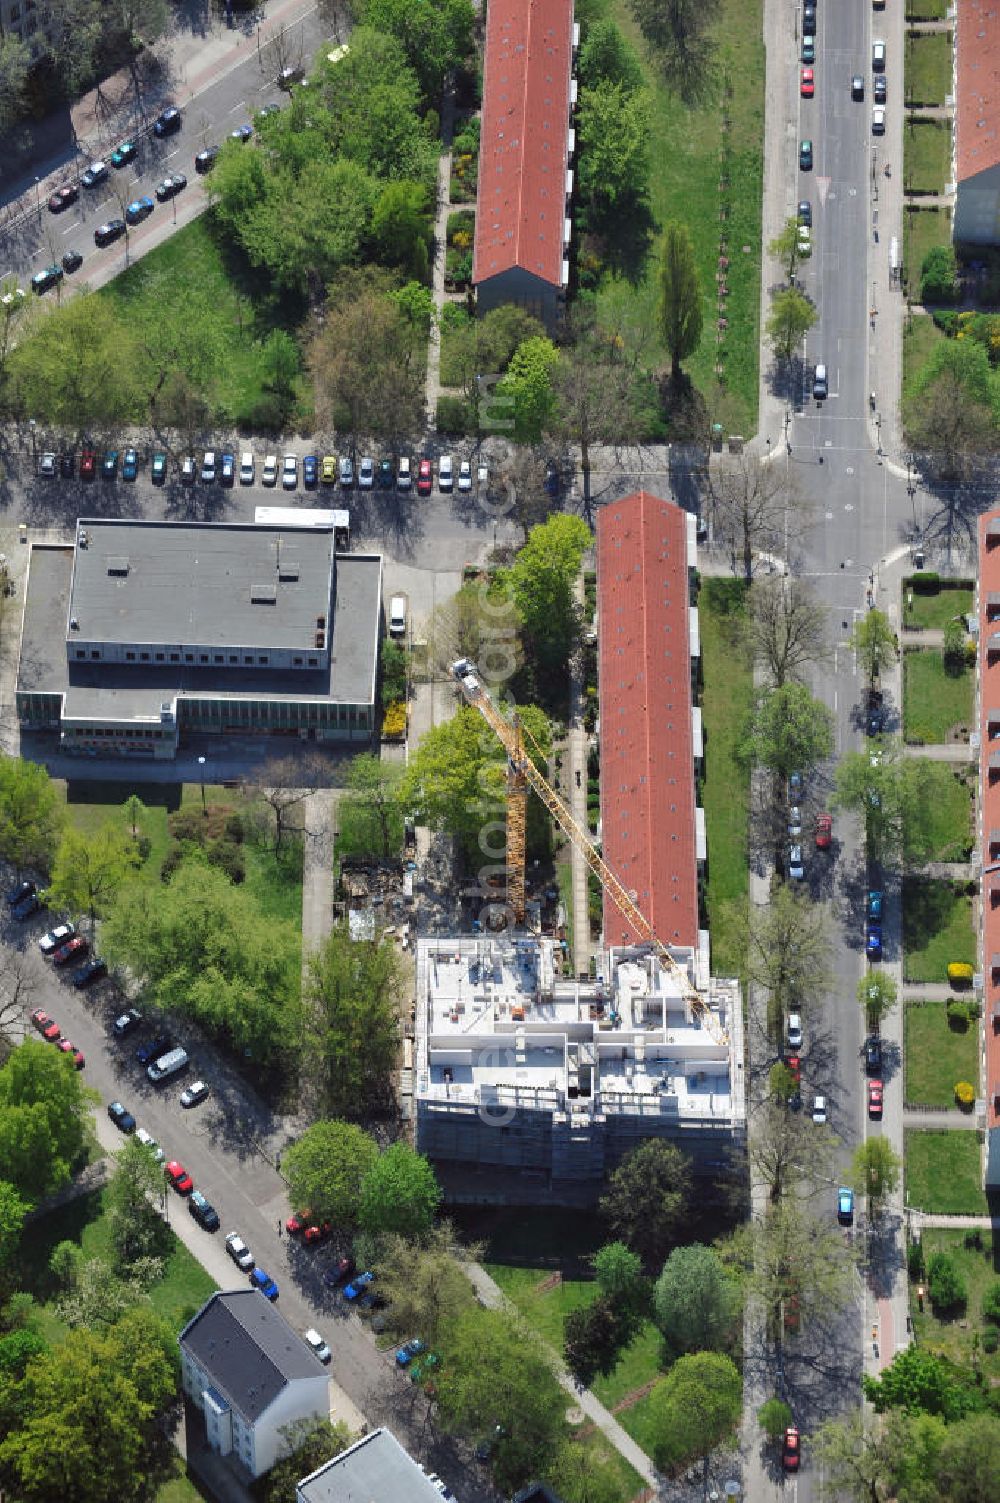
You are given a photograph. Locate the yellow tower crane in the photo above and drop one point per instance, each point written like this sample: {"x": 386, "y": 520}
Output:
{"x": 521, "y": 772}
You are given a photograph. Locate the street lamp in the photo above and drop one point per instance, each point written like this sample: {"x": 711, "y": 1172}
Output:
{"x": 34, "y": 449}
{"x": 38, "y": 196}
{"x": 201, "y": 770}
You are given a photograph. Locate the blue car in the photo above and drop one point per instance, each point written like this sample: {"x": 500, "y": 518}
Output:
{"x": 358, "y": 1286}
{"x": 139, "y": 209}
{"x": 408, "y": 1351}
{"x": 26, "y": 908}
{"x": 874, "y": 907}
{"x": 873, "y": 942}
{"x": 264, "y": 1282}
{"x": 130, "y": 464}
{"x": 227, "y": 469}
{"x": 122, "y": 1119}
{"x": 845, "y": 1205}
{"x": 310, "y": 471}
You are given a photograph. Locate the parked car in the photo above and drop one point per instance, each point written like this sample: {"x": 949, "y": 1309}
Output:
{"x": 873, "y": 1055}
{"x": 328, "y": 469}
{"x": 47, "y": 465}
{"x": 314, "y": 1341}
{"x": 790, "y": 1450}
{"x": 139, "y": 209}
{"x": 194, "y": 1094}
{"x": 158, "y": 469}
{"x": 410, "y": 1349}
{"x": 239, "y": 1252}
{"x": 805, "y": 155}
{"x": 873, "y": 941}
{"x": 74, "y": 949}
{"x": 49, "y": 943}
{"x": 92, "y": 970}
{"x": 189, "y": 470}
{"x": 149, "y": 1142}
{"x": 793, "y": 1030}
{"x": 247, "y": 468}
{"x": 316, "y": 1233}
{"x": 270, "y": 473}
{"x": 205, "y": 160}
{"x": 824, "y": 831}
{"x": 795, "y": 868}
{"x": 404, "y": 473}
{"x": 227, "y": 468}
{"x": 112, "y": 229}
{"x": 208, "y": 467}
{"x": 807, "y": 83}
{"x": 310, "y": 471}
{"x": 171, "y": 186}
{"x": 808, "y": 52}
{"x": 203, "y": 1212}
{"x": 130, "y": 464}
{"x": 805, "y": 212}
{"x": 873, "y": 905}
{"x": 242, "y": 133}
{"x": 366, "y": 473}
{"x": 96, "y": 173}
{"x": 178, "y": 1177}
{"x": 26, "y": 908}
{"x": 336, "y": 1274}
{"x": 15, "y": 895}
{"x": 386, "y": 478}
{"x": 109, "y": 465}
{"x": 845, "y": 1205}
{"x": 446, "y": 474}
{"x": 878, "y": 56}
{"x": 819, "y": 1109}
{"x": 464, "y": 475}
{"x": 808, "y": 20}
{"x": 122, "y": 1119}
{"x": 425, "y": 478}
{"x": 167, "y": 123}
{"x": 795, "y": 788}
{"x": 48, "y": 277}
{"x": 71, "y": 261}
{"x": 878, "y": 120}
{"x": 880, "y": 88}
{"x": 153, "y": 1049}
{"x": 357, "y": 1287}
{"x": 66, "y": 459}
{"x": 124, "y": 154}
{"x": 794, "y": 822}
{"x": 66, "y": 1046}
{"x": 290, "y": 472}
{"x": 46, "y": 1026}
{"x": 125, "y": 1022}
{"x": 346, "y": 473}
{"x": 264, "y": 1282}
{"x": 875, "y": 1098}
{"x": 63, "y": 197}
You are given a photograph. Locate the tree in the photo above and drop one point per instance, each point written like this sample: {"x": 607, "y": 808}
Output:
{"x": 919, "y": 1380}
{"x": 78, "y": 370}
{"x": 593, "y": 1338}
{"x": 949, "y": 411}
{"x": 284, "y": 783}
{"x": 877, "y": 995}
{"x": 790, "y": 729}
{"x": 401, "y": 229}
{"x": 134, "y": 810}
{"x": 694, "y": 1302}
{"x": 351, "y": 995}
{"x": 863, "y": 1461}
{"x": 968, "y": 1462}
{"x": 15, "y": 59}
{"x": 752, "y": 507}
{"x": 326, "y": 1169}
{"x": 608, "y": 57}
{"x": 581, "y": 1472}
{"x": 13, "y": 1210}
{"x": 677, "y": 33}
{"x": 306, "y": 1445}
{"x": 593, "y": 383}
{"x": 945, "y": 1283}
{"x": 613, "y": 123}
{"x": 785, "y": 247}
{"x": 619, "y": 1275}
{"x": 400, "y": 1195}
{"x": 142, "y": 21}
{"x": 873, "y": 642}
{"x": 954, "y": 647}
{"x": 693, "y": 1408}
{"x": 466, "y": 626}
{"x": 17, "y": 984}
{"x": 541, "y": 581}
{"x": 437, "y": 35}
{"x": 647, "y": 1199}
{"x": 788, "y": 628}
{"x": 679, "y": 312}
{"x": 31, "y": 814}
{"x": 363, "y": 362}
{"x": 792, "y": 316}
{"x": 133, "y": 1203}
{"x": 89, "y": 870}
{"x": 939, "y": 275}
{"x": 527, "y": 385}
{"x": 892, "y": 791}
{"x": 370, "y": 812}
{"x": 787, "y": 947}
{"x": 790, "y": 1254}
{"x": 876, "y": 1170}
{"x": 98, "y": 1294}
{"x": 779, "y": 1149}
{"x": 513, "y": 1396}
{"x": 522, "y": 480}
{"x": 426, "y": 1283}
{"x": 42, "y": 1116}
{"x": 774, "y": 1417}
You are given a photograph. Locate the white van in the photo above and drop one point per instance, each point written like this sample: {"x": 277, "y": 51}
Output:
{"x": 820, "y": 387}
{"x": 397, "y": 616}
{"x": 167, "y": 1065}
{"x": 878, "y": 56}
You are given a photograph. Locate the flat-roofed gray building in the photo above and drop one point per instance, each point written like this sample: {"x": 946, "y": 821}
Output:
{"x": 144, "y": 630}
{"x": 376, "y": 1469}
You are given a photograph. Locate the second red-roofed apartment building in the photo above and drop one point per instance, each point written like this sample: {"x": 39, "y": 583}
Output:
{"x": 526, "y": 145}
{"x": 977, "y": 123}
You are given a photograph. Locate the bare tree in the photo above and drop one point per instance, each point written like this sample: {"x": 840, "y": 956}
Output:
{"x": 784, "y": 1152}
{"x": 752, "y": 506}
{"x": 594, "y": 387}
{"x": 523, "y": 479}
{"x": 787, "y": 947}
{"x": 284, "y": 783}
{"x": 284, "y": 50}
{"x": 949, "y": 422}
{"x": 17, "y": 986}
{"x": 787, "y": 628}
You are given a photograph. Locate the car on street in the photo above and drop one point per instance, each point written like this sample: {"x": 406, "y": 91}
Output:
{"x": 804, "y": 242}
{"x": 189, "y": 470}
{"x": 878, "y": 56}
{"x": 130, "y": 464}
{"x": 317, "y": 1345}
{"x": 425, "y": 478}
{"x": 47, "y": 465}
{"x": 122, "y": 1118}
{"x": 880, "y": 88}
{"x": 297, "y": 1223}
{"x": 111, "y": 230}
{"x": 808, "y": 52}
{"x": 294, "y": 73}
{"x": 845, "y": 1205}
{"x": 125, "y": 1022}
{"x": 795, "y": 868}
{"x": 48, "y": 277}
{"x": 88, "y": 464}
{"x": 878, "y": 120}
{"x": 149, "y": 1142}
{"x": 808, "y": 20}
{"x": 167, "y": 122}
{"x": 96, "y": 173}
{"x": 316, "y": 1233}
{"x": 74, "y": 949}
{"x": 873, "y": 941}
{"x": 794, "y": 1063}
{"x": 446, "y": 474}
{"x": 328, "y": 469}
{"x": 819, "y": 1109}
{"x": 464, "y": 475}
{"x": 242, "y": 133}
{"x": 204, "y": 1212}
{"x": 795, "y": 788}
{"x": 290, "y": 472}
{"x": 875, "y": 1098}
{"x": 875, "y": 714}
{"x": 247, "y": 468}
{"x": 807, "y": 83}
{"x": 404, "y": 473}
{"x": 264, "y": 1282}
{"x": 356, "y": 1288}
{"x": 346, "y": 474}
{"x": 71, "y": 261}
{"x": 794, "y": 822}
{"x": 109, "y": 465}
{"x": 205, "y": 160}
{"x": 194, "y": 1094}
{"x": 66, "y": 1046}
{"x": 310, "y": 471}
{"x": 366, "y": 473}
{"x": 873, "y": 904}
{"x": 158, "y": 469}
{"x": 139, "y": 209}
{"x": 208, "y": 467}
{"x": 873, "y": 1055}
{"x": 857, "y": 86}
{"x": 49, "y": 943}
{"x": 793, "y": 1030}
{"x": 270, "y": 472}
{"x": 49, "y": 1029}
{"x": 805, "y": 213}
{"x": 551, "y": 480}
{"x": 410, "y": 1349}
{"x": 153, "y": 1048}
{"x": 66, "y": 459}
{"x": 171, "y": 186}
{"x": 386, "y": 478}
{"x": 268, "y": 110}
{"x": 227, "y": 469}
{"x": 178, "y": 1177}
{"x": 92, "y": 970}
{"x": 26, "y": 907}
{"x": 123, "y": 154}
{"x": 63, "y": 197}
{"x": 821, "y": 389}
{"x": 824, "y": 831}
{"x": 239, "y": 1252}
{"x": 17, "y": 894}
{"x": 806, "y": 155}
{"x": 790, "y": 1450}
{"x": 338, "y": 1272}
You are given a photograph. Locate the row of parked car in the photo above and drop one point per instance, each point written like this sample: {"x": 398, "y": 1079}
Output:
{"x": 62, "y": 945}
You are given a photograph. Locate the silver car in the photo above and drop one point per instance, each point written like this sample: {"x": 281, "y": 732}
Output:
{"x": 290, "y": 472}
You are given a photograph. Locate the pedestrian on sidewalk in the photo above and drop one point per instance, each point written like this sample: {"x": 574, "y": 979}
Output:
{"x": 279, "y": 1227}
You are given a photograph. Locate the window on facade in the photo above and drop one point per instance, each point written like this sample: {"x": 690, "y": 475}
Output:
{"x": 220, "y": 657}
{"x": 297, "y": 662}
{"x": 144, "y": 657}
{"x": 234, "y": 657}
{"x": 189, "y": 657}
{"x": 312, "y": 662}
{"x": 175, "y": 657}
{"x": 248, "y": 660}
{"x": 262, "y": 660}
{"x": 96, "y": 654}
{"x": 130, "y": 657}
{"x": 81, "y": 652}
{"x": 204, "y": 657}
{"x": 161, "y": 657}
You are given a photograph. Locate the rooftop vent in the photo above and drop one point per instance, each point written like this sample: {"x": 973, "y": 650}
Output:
{"x": 263, "y": 594}
{"x": 118, "y": 565}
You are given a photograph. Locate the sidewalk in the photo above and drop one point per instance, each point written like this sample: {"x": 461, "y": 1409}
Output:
{"x": 433, "y": 387}
{"x": 946, "y": 1121}
{"x": 577, "y": 773}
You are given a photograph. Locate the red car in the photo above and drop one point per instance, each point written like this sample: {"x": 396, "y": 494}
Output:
{"x": 315, "y": 1234}
{"x": 824, "y": 831}
{"x": 46, "y": 1027}
{"x": 425, "y": 478}
{"x": 88, "y": 464}
{"x": 807, "y": 87}
{"x": 179, "y": 1177}
{"x": 795, "y": 1065}
{"x": 74, "y": 949}
{"x": 298, "y": 1223}
{"x": 67, "y": 1048}
{"x": 874, "y": 1098}
{"x": 790, "y": 1450}
{"x": 63, "y": 197}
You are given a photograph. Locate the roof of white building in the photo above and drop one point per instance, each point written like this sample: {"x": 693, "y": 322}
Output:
{"x": 248, "y": 1349}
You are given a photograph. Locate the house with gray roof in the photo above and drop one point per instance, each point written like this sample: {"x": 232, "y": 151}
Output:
{"x": 376, "y": 1469}
{"x": 250, "y": 1375}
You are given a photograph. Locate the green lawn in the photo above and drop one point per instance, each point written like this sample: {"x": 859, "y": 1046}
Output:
{"x": 923, "y": 229}
{"x": 932, "y": 610}
{"x": 179, "y": 1487}
{"x": 927, "y": 10}
{"x": 685, "y": 148}
{"x": 920, "y": 336}
{"x": 943, "y": 1172}
{"x": 937, "y": 929}
{"x": 958, "y": 1336}
{"x": 937, "y": 1055}
{"x": 948, "y": 812}
{"x": 926, "y": 156}
{"x": 935, "y": 702}
{"x": 726, "y": 698}
{"x": 928, "y": 74}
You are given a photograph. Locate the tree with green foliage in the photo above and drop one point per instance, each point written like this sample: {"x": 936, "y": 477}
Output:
{"x": 774, "y": 1417}
{"x": 370, "y": 813}
{"x": 678, "y": 36}
{"x": 785, "y": 247}
{"x": 991, "y": 1303}
{"x": 788, "y": 1254}
{"x": 694, "y": 1302}
{"x": 17, "y": 1348}
{"x": 647, "y": 1199}
{"x": 89, "y": 870}
{"x": 306, "y": 1445}
{"x": 873, "y": 641}
{"x": 787, "y": 947}
{"x": 437, "y": 35}
{"x": 789, "y": 729}
{"x": 582, "y": 1473}
{"x": 949, "y": 411}
{"x": 425, "y": 1283}
{"x": 13, "y": 1209}
{"x": 954, "y": 648}
{"x": 968, "y": 1462}
{"x": 945, "y": 1284}
{"x": 401, "y": 228}
{"x": 416, "y": 303}
{"x": 607, "y": 56}
{"x": 871, "y": 1463}
{"x": 877, "y": 996}
{"x": 893, "y": 792}
{"x": 512, "y": 1396}
{"x": 78, "y": 370}
{"x": 15, "y": 60}
{"x": 792, "y": 316}
{"x": 876, "y": 1168}
{"x": 400, "y": 1195}
{"x": 693, "y": 1408}
{"x": 541, "y": 581}
{"x": 200, "y": 944}
{"x": 43, "y": 1111}
{"x": 363, "y": 361}
{"x": 679, "y": 312}
{"x": 99, "y": 1293}
{"x": 593, "y": 1338}
{"x": 281, "y": 366}
{"x": 618, "y": 1271}
{"x": 939, "y": 275}
{"x": 527, "y": 385}
{"x": 351, "y": 995}
{"x": 918, "y": 1380}
{"x": 326, "y": 1169}
{"x": 613, "y": 122}
{"x": 594, "y": 384}
{"x": 31, "y": 814}
{"x": 134, "y": 810}
{"x": 87, "y": 1411}
{"x": 133, "y": 1197}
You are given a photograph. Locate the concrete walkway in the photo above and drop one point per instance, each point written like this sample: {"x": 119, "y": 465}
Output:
{"x": 933, "y": 112}
{"x": 950, "y": 751}
{"x": 319, "y": 818}
{"x": 492, "y": 1295}
{"x": 929, "y": 637}
{"x": 931, "y": 991}
{"x": 947, "y": 1121}
{"x": 949, "y": 871}
{"x": 957, "y": 1223}
{"x": 433, "y": 385}
{"x": 576, "y": 762}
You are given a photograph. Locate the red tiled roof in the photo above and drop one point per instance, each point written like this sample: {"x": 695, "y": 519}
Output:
{"x": 989, "y": 794}
{"x": 524, "y": 139}
{"x": 977, "y": 87}
{"x": 647, "y": 740}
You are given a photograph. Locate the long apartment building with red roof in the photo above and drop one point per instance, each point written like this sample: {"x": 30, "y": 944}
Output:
{"x": 989, "y": 824}
{"x": 977, "y": 123}
{"x": 525, "y": 149}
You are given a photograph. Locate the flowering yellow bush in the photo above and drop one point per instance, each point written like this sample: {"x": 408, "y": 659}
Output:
{"x": 394, "y": 720}
{"x": 965, "y": 1094}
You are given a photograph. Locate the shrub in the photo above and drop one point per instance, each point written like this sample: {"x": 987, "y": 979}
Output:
{"x": 171, "y": 862}
{"x": 453, "y": 415}
{"x": 938, "y": 275}
{"x": 945, "y": 1284}
{"x": 928, "y": 581}
{"x": 965, "y": 1093}
{"x": 461, "y": 228}
{"x": 991, "y": 1303}
{"x": 954, "y": 647}
{"x": 394, "y": 721}
{"x": 958, "y": 1016}
{"x": 915, "y": 1261}
{"x": 991, "y": 1339}
{"x": 774, "y": 1417}
{"x": 227, "y": 855}
{"x": 234, "y": 828}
